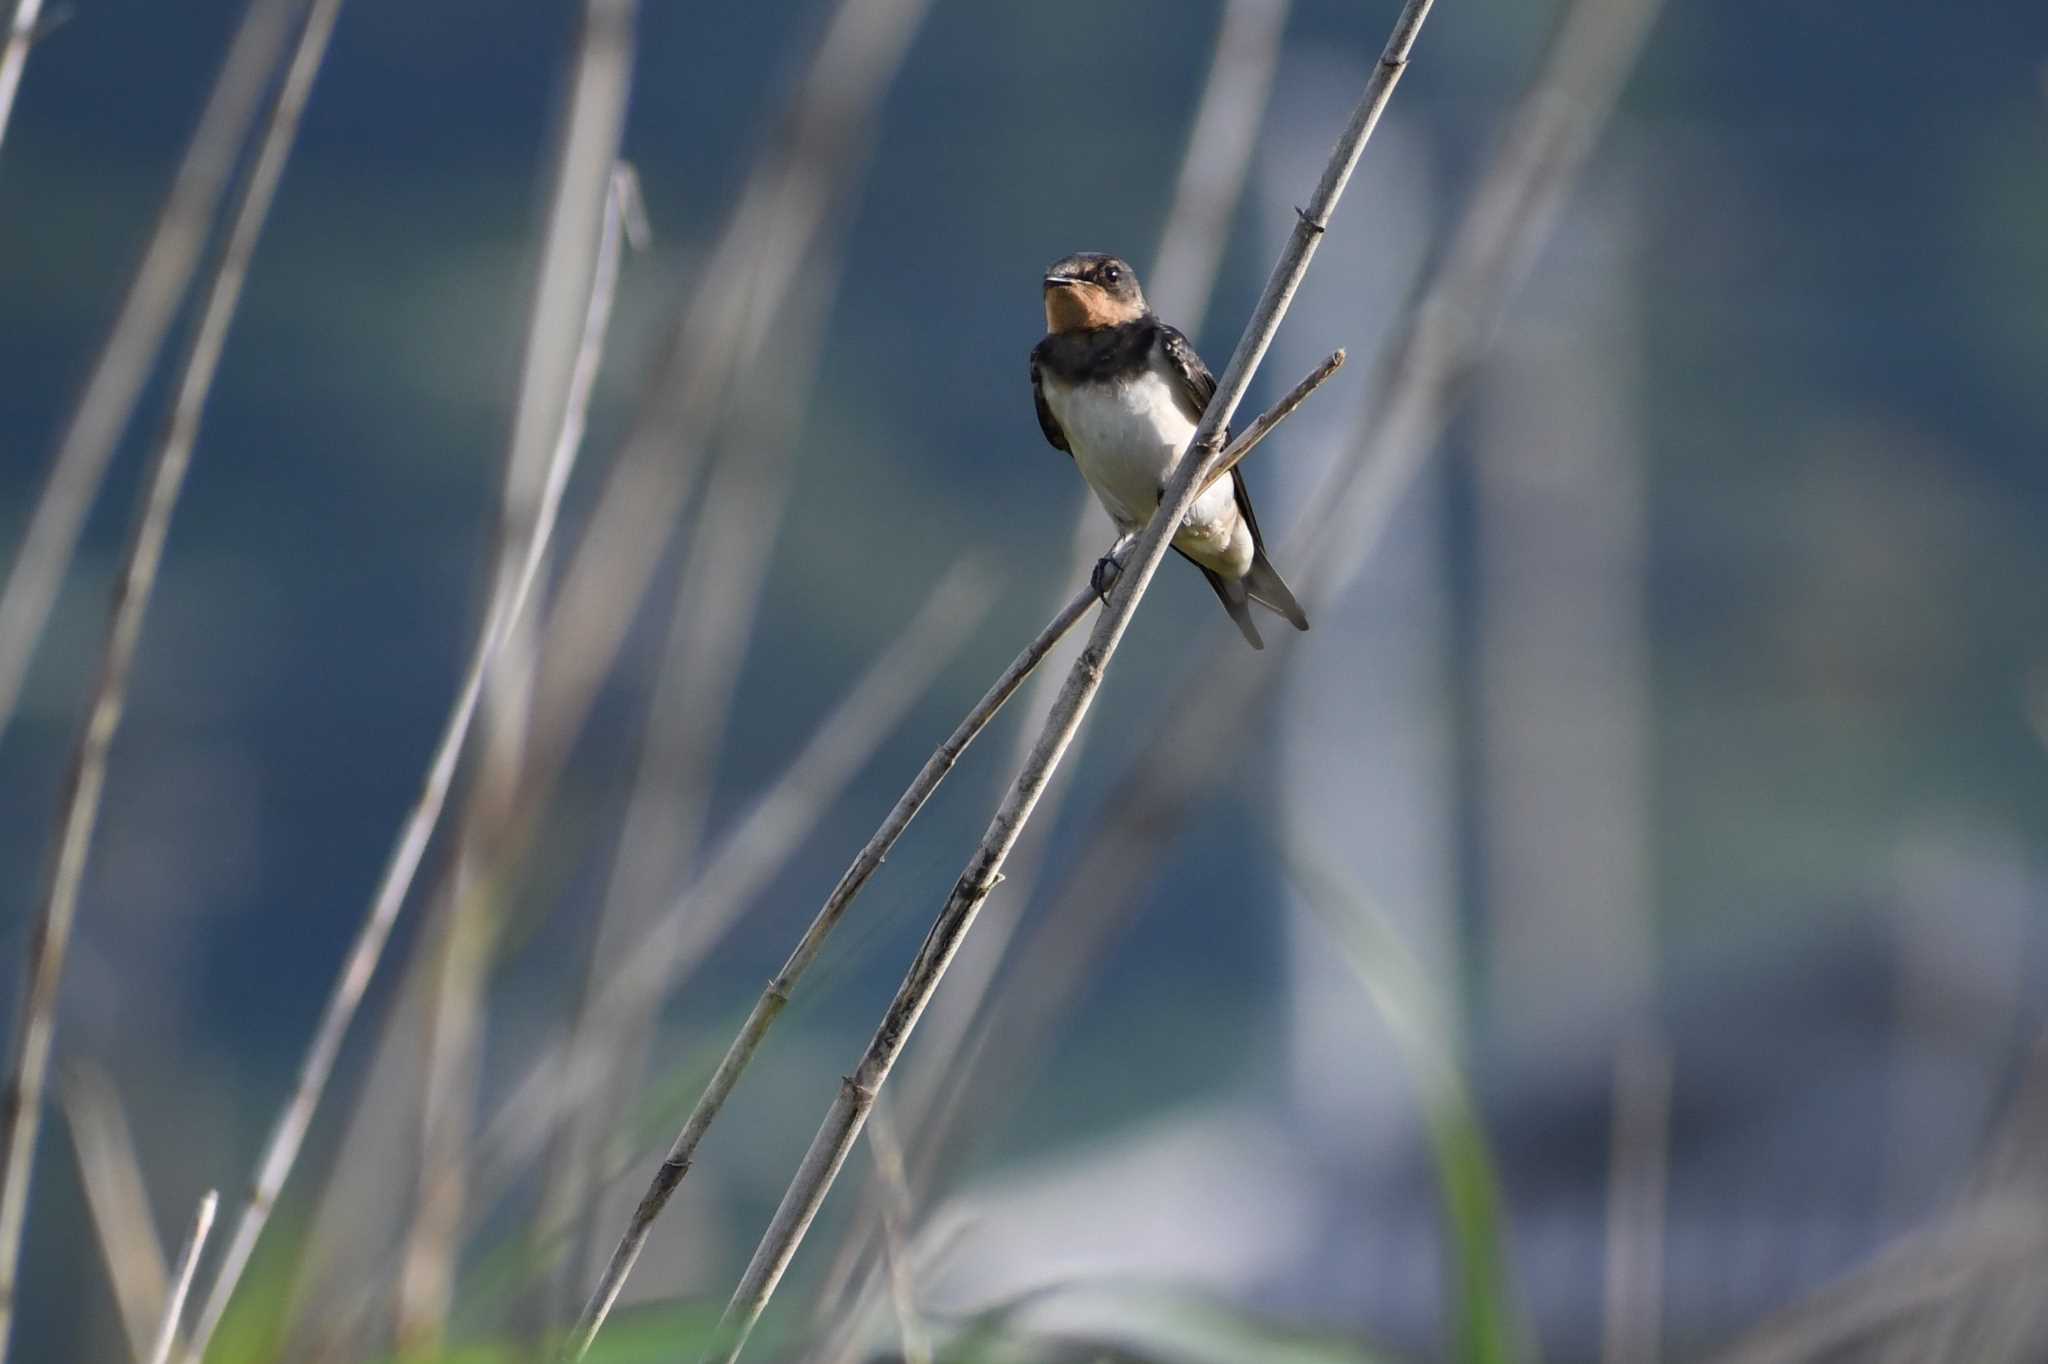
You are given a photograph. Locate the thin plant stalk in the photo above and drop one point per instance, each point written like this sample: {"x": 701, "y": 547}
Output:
{"x": 136, "y": 337}
{"x": 1215, "y": 162}
{"x": 757, "y": 846}
{"x": 579, "y": 266}
{"x": 181, "y": 1285}
{"x": 112, "y": 1177}
{"x": 714, "y": 617}
{"x": 51, "y": 935}
{"x": 21, "y": 35}
{"x": 776, "y": 996}
{"x": 281, "y": 1149}
{"x": 857, "y": 1091}
{"x": 896, "y": 1218}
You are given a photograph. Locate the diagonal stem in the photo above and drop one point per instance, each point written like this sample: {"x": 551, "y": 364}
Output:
{"x": 821, "y": 1164}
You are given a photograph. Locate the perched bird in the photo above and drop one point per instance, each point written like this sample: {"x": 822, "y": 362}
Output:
{"x": 1121, "y": 392}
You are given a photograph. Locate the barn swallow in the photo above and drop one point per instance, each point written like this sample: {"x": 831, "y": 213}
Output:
{"x": 1121, "y": 392}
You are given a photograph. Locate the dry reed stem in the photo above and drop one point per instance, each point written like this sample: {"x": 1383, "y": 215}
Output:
{"x": 281, "y": 1149}
{"x": 52, "y": 932}
{"x": 1214, "y": 164}
{"x": 572, "y": 301}
{"x": 1418, "y": 375}
{"x": 181, "y": 1285}
{"x": 857, "y": 1092}
{"x": 776, "y": 996}
{"x": 133, "y": 342}
{"x": 117, "y": 1199}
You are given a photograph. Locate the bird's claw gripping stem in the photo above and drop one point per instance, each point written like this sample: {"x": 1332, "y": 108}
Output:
{"x": 1109, "y": 568}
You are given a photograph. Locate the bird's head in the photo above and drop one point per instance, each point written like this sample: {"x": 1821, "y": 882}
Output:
{"x": 1091, "y": 290}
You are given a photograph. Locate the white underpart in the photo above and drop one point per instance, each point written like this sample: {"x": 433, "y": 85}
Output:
{"x": 1125, "y": 437}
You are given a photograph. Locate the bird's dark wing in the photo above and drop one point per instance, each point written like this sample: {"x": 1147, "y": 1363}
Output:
{"x": 1197, "y": 384}
{"x": 1046, "y": 421}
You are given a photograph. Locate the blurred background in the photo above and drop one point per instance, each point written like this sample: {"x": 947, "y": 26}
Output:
{"x": 1614, "y": 932}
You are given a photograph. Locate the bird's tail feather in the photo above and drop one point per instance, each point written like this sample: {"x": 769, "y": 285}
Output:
{"x": 1264, "y": 585}
{"x": 1237, "y": 601}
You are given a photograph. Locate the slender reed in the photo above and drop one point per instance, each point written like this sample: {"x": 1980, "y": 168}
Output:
{"x": 776, "y": 996}
{"x": 112, "y": 1177}
{"x": 896, "y": 1218}
{"x": 52, "y": 932}
{"x": 857, "y": 1092}
{"x": 716, "y": 604}
{"x": 137, "y": 335}
{"x": 181, "y": 1284}
{"x": 281, "y": 1149}
{"x": 1215, "y": 160}
{"x": 579, "y": 263}
{"x": 21, "y": 35}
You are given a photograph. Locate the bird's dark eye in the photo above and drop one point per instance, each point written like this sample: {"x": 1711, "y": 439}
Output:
{"x": 1112, "y": 275}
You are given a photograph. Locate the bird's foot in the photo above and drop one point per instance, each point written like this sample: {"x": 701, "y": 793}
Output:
{"x": 1109, "y": 568}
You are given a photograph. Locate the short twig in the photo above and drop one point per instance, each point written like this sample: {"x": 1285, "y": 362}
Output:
{"x": 52, "y": 933}
{"x": 1249, "y": 440}
{"x": 181, "y": 1284}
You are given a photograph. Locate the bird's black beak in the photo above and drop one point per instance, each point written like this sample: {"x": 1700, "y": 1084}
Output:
{"x": 1060, "y": 281}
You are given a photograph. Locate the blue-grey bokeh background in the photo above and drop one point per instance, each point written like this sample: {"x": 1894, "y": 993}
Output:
{"x": 1833, "y": 248}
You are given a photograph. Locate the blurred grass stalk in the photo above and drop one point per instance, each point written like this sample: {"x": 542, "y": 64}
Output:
{"x": 22, "y": 32}
{"x": 136, "y": 337}
{"x": 119, "y": 1203}
{"x": 856, "y": 1095}
{"x": 51, "y": 934}
{"x": 787, "y": 202}
{"x": 1484, "y": 1323}
{"x": 1419, "y": 375}
{"x": 578, "y": 276}
{"x": 282, "y": 1147}
{"x": 1639, "y": 1164}
{"x": 181, "y": 1283}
